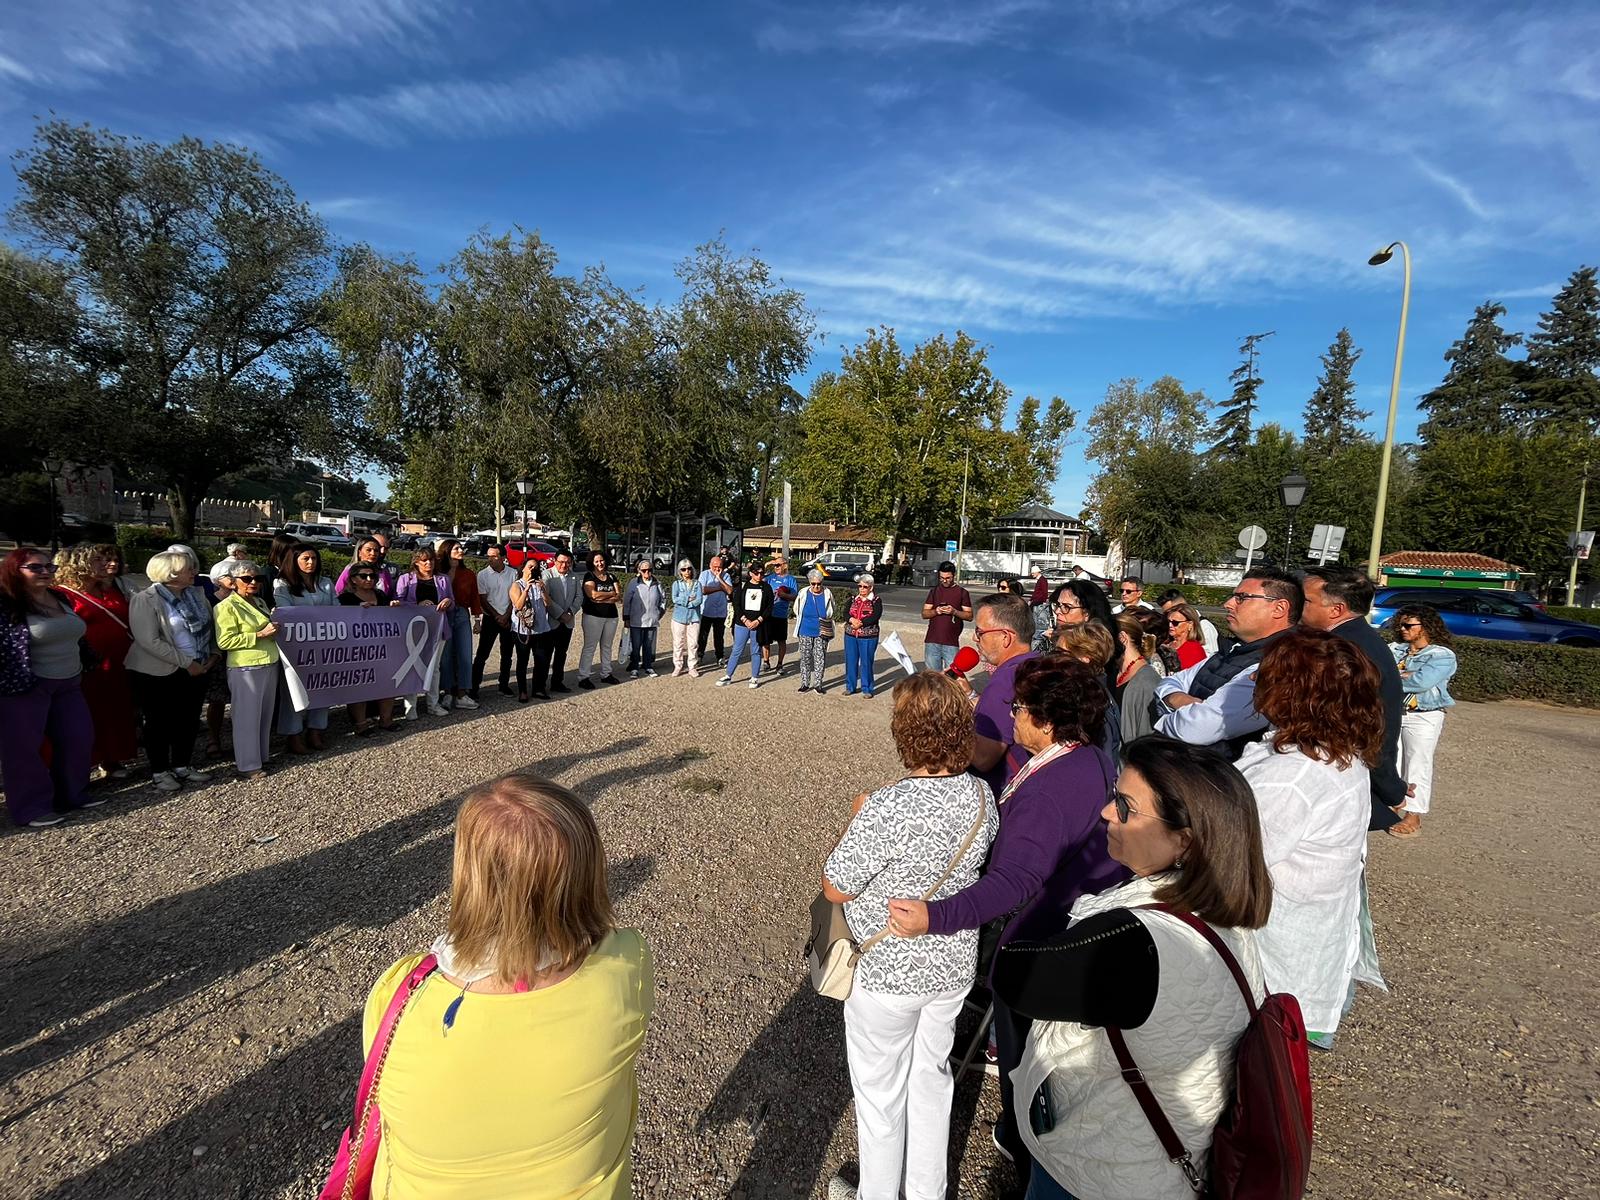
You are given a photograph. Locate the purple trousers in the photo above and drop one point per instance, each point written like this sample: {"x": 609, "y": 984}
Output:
{"x": 54, "y": 709}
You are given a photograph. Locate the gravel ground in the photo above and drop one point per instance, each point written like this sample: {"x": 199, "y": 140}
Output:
{"x": 184, "y": 972}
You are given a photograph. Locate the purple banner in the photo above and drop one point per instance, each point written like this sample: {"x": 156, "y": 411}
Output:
{"x": 345, "y": 655}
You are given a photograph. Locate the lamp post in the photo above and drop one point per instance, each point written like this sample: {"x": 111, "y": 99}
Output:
{"x": 961, "y": 530}
{"x": 52, "y": 468}
{"x": 524, "y": 490}
{"x": 1292, "y": 491}
{"x": 1572, "y": 570}
{"x": 1377, "y": 260}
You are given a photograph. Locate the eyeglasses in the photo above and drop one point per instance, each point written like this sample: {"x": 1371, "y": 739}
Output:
{"x": 39, "y": 568}
{"x": 257, "y": 578}
{"x": 1241, "y": 597}
{"x": 1125, "y": 809}
{"x": 1065, "y": 607}
{"x": 1174, "y": 622}
{"x": 1017, "y": 706}
{"x": 1409, "y": 625}
{"x": 1130, "y": 591}
{"x": 364, "y": 575}
{"x": 979, "y": 632}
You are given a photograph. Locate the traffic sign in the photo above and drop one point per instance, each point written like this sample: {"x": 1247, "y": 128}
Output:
{"x": 1252, "y": 537}
{"x": 949, "y": 545}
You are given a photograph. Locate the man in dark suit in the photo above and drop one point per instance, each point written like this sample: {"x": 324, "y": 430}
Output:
{"x": 1338, "y": 599}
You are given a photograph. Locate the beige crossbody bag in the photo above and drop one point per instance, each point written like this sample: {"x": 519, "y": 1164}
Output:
{"x": 832, "y": 953}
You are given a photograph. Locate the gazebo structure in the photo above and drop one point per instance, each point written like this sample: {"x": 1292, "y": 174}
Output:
{"x": 1033, "y": 527}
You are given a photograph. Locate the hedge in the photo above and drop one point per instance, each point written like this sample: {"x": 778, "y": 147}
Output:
{"x": 1496, "y": 670}
{"x": 1589, "y": 616}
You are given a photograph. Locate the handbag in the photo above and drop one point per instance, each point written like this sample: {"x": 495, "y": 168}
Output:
{"x": 16, "y": 674}
{"x": 832, "y": 952}
{"x": 1261, "y": 1147}
{"x": 351, "y": 1176}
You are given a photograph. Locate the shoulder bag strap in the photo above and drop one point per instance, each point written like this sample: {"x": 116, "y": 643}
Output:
{"x": 385, "y": 1035}
{"x": 1165, "y": 1134}
{"x": 1221, "y": 947}
{"x": 961, "y": 852}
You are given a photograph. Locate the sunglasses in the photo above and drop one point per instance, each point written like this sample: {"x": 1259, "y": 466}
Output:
{"x": 1176, "y": 621}
{"x": 1410, "y": 625}
{"x": 39, "y": 568}
{"x": 257, "y": 578}
{"x": 364, "y": 575}
{"x": 1125, "y": 809}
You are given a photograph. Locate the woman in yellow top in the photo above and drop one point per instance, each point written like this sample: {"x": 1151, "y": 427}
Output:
{"x": 511, "y": 1070}
{"x": 245, "y": 632}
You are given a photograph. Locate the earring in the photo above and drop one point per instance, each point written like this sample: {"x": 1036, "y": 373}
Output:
{"x": 1177, "y": 864}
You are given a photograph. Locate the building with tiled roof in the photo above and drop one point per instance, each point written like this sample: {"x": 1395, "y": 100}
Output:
{"x": 1446, "y": 568}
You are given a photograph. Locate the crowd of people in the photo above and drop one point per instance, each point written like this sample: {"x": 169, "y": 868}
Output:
{"x": 1052, "y": 836}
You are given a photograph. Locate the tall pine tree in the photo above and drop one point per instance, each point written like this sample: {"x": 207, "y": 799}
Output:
{"x": 1481, "y": 391}
{"x": 1237, "y": 418}
{"x": 1564, "y": 356}
{"x": 1332, "y": 420}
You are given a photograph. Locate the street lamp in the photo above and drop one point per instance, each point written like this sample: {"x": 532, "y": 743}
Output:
{"x": 1377, "y": 260}
{"x": 1292, "y": 491}
{"x": 524, "y": 490}
{"x": 52, "y": 468}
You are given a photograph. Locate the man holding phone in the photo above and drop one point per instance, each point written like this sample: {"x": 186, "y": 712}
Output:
{"x": 945, "y": 609}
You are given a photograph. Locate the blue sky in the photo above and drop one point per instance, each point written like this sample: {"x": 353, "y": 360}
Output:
{"x": 1094, "y": 191}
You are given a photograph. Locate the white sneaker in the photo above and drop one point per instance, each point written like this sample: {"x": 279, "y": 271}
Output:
{"x": 436, "y": 710}
{"x": 165, "y": 781}
{"x": 46, "y": 822}
{"x": 755, "y": 683}
{"x": 648, "y": 673}
{"x": 190, "y": 775}
{"x": 838, "y": 1189}
{"x": 724, "y": 681}
{"x": 466, "y": 702}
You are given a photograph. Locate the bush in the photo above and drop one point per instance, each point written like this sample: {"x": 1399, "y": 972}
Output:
{"x": 1589, "y": 616}
{"x": 1495, "y": 670}
{"x": 1198, "y": 594}
{"x": 139, "y": 542}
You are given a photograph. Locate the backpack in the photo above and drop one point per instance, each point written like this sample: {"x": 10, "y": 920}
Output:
{"x": 1261, "y": 1149}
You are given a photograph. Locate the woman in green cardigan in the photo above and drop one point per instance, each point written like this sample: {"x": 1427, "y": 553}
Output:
{"x": 246, "y": 632}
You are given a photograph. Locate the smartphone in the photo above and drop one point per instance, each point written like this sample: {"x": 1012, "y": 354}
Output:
{"x": 1042, "y": 1112}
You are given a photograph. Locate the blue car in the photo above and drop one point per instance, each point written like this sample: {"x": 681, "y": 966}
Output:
{"x": 1503, "y": 616}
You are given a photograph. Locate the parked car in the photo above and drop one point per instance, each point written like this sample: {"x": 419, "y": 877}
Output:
{"x": 843, "y": 566}
{"x": 308, "y": 531}
{"x": 1503, "y": 616}
{"x": 519, "y": 551}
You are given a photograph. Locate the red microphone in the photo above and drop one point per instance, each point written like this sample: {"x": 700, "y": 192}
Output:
{"x": 966, "y": 659}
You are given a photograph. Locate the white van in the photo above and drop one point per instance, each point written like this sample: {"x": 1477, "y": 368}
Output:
{"x": 843, "y": 566}
{"x": 307, "y": 531}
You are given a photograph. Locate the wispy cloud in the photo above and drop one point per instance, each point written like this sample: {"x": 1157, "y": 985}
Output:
{"x": 1453, "y": 186}
{"x": 564, "y": 95}
{"x": 890, "y": 27}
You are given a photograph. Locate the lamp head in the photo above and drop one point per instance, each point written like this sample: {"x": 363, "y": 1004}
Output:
{"x": 1382, "y": 256}
{"x": 1293, "y": 490}
{"x": 525, "y": 486}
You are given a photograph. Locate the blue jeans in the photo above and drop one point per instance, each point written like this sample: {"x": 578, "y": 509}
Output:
{"x": 1042, "y": 1187}
{"x": 641, "y": 647}
{"x": 938, "y": 658}
{"x": 743, "y": 637}
{"x": 858, "y": 656}
{"x": 455, "y": 672}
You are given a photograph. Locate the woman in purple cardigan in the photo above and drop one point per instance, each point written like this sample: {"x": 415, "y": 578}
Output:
{"x": 1051, "y": 847}
{"x": 421, "y": 585}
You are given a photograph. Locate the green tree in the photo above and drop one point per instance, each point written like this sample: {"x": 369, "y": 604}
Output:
{"x": 1244, "y": 491}
{"x": 1482, "y": 388}
{"x": 1511, "y": 497}
{"x": 886, "y": 438}
{"x": 1331, "y": 419}
{"x": 1237, "y": 417}
{"x": 198, "y": 279}
{"x": 1129, "y": 419}
{"x": 1564, "y": 356}
{"x": 1166, "y": 511}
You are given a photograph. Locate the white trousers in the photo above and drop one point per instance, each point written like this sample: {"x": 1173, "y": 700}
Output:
{"x": 597, "y": 633}
{"x": 1419, "y": 736}
{"x": 683, "y": 655}
{"x": 899, "y": 1052}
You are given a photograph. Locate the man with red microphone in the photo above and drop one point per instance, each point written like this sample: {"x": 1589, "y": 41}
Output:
{"x": 946, "y": 607}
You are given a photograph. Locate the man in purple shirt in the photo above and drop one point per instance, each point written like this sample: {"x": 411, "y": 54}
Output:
{"x": 1002, "y": 631}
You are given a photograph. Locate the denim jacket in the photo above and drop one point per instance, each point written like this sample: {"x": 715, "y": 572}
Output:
{"x": 1430, "y": 671}
{"x": 687, "y": 600}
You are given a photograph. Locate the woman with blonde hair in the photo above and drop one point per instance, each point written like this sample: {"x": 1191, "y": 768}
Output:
{"x": 508, "y": 1067}
{"x": 1184, "y": 636}
{"x": 924, "y": 835}
{"x": 84, "y": 576}
{"x": 174, "y": 645}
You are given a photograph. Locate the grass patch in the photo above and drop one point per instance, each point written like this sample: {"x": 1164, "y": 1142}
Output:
{"x": 700, "y": 785}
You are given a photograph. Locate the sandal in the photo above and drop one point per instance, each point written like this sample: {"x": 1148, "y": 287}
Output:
{"x": 1403, "y": 832}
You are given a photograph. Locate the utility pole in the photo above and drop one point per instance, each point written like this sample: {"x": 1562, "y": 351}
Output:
{"x": 788, "y": 500}
{"x": 1572, "y": 570}
{"x": 961, "y": 532}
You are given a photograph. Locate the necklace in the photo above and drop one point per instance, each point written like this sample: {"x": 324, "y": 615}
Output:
{"x": 1129, "y": 671}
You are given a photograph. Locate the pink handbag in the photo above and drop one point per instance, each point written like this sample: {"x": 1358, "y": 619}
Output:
{"x": 351, "y": 1177}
